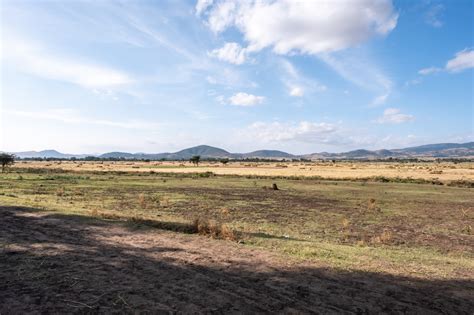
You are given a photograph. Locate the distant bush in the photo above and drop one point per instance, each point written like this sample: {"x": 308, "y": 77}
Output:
{"x": 6, "y": 160}
{"x": 461, "y": 183}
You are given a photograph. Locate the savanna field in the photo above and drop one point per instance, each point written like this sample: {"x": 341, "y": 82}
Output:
{"x": 358, "y": 239}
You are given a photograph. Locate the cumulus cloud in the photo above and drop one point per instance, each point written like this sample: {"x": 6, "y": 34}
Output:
{"x": 463, "y": 60}
{"x": 230, "y": 52}
{"x": 303, "y": 26}
{"x": 244, "y": 99}
{"x": 202, "y": 5}
{"x": 394, "y": 116}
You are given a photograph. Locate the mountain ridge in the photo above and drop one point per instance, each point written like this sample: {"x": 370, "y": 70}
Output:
{"x": 437, "y": 150}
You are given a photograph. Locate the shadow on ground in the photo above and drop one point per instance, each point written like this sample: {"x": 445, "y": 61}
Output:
{"x": 53, "y": 263}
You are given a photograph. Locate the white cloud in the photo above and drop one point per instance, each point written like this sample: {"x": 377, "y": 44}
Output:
{"x": 220, "y": 99}
{"x": 297, "y": 83}
{"x": 211, "y": 80}
{"x": 393, "y": 116}
{"x": 430, "y": 70}
{"x": 202, "y": 5}
{"x": 432, "y": 16}
{"x": 304, "y": 131}
{"x": 230, "y": 52}
{"x": 71, "y": 116}
{"x": 244, "y": 99}
{"x": 359, "y": 70}
{"x": 222, "y": 16}
{"x": 289, "y": 27}
{"x": 32, "y": 59}
{"x": 303, "y": 26}
{"x": 297, "y": 91}
{"x": 415, "y": 81}
{"x": 379, "y": 100}
{"x": 463, "y": 60}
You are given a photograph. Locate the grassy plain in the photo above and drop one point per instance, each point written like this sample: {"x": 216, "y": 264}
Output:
{"x": 407, "y": 229}
{"x": 443, "y": 171}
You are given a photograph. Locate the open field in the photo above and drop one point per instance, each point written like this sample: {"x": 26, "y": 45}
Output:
{"x": 104, "y": 241}
{"x": 443, "y": 171}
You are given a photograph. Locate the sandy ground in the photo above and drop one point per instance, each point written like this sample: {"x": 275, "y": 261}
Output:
{"x": 445, "y": 171}
{"x": 53, "y": 263}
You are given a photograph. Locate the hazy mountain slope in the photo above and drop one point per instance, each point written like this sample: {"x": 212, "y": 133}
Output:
{"x": 44, "y": 154}
{"x": 268, "y": 154}
{"x": 203, "y": 151}
{"x": 446, "y": 150}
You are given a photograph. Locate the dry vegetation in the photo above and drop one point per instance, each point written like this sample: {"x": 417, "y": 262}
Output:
{"x": 401, "y": 231}
{"x": 443, "y": 171}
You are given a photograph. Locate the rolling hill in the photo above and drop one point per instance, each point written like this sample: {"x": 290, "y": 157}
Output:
{"x": 440, "y": 150}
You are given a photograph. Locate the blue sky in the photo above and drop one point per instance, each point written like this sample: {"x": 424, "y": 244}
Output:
{"x": 299, "y": 76}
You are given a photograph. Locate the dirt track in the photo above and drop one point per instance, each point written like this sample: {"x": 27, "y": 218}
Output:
{"x": 51, "y": 263}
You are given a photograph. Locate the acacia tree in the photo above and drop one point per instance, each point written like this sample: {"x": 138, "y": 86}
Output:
{"x": 6, "y": 160}
{"x": 225, "y": 161}
{"x": 195, "y": 160}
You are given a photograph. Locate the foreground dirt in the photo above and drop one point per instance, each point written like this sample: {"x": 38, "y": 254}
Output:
{"x": 52, "y": 263}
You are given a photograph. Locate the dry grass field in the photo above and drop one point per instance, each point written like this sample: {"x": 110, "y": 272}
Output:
{"x": 136, "y": 236}
{"x": 443, "y": 171}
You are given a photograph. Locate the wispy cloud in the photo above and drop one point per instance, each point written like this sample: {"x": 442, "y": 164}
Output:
{"x": 298, "y": 84}
{"x": 33, "y": 59}
{"x": 72, "y": 116}
{"x": 463, "y": 60}
{"x": 394, "y": 116}
{"x": 430, "y": 70}
{"x": 379, "y": 100}
{"x": 433, "y": 15}
{"x": 304, "y": 131}
{"x": 362, "y": 72}
{"x": 302, "y": 27}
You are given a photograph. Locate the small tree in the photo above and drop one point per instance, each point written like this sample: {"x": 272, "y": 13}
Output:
{"x": 6, "y": 160}
{"x": 195, "y": 160}
{"x": 225, "y": 161}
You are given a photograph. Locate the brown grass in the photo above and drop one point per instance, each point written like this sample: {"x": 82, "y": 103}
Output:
{"x": 214, "y": 229}
{"x": 372, "y": 205}
{"x": 444, "y": 171}
{"x": 385, "y": 238}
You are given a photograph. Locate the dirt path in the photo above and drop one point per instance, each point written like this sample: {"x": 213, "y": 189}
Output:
{"x": 52, "y": 263}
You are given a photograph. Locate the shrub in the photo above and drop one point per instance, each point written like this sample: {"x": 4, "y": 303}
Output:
{"x": 214, "y": 229}
{"x": 6, "y": 160}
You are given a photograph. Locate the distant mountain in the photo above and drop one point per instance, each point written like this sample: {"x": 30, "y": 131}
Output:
{"x": 440, "y": 150}
{"x": 204, "y": 151}
{"x": 268, "y": 154}
{"x": 46, "y": 154}
{"x": 118, "y": 155}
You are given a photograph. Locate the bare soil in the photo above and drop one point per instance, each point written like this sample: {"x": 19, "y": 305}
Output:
{"x": 55, "y": 263}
